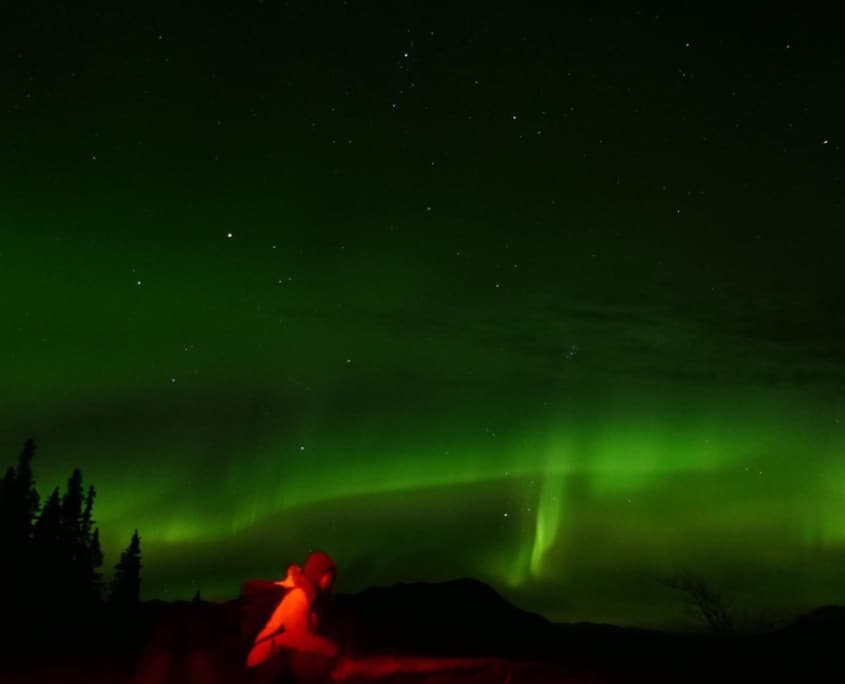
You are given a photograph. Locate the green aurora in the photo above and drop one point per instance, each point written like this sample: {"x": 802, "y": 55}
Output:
{"x": 264, "y": 311}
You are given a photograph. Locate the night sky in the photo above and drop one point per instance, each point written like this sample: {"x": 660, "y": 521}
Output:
{"x": 549, "y": 297}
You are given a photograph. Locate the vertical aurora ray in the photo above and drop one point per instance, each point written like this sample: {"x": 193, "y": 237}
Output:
{"x": 550, "y": 512}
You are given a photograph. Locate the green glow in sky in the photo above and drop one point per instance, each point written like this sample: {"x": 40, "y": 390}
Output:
{"x": 553, "y": 301}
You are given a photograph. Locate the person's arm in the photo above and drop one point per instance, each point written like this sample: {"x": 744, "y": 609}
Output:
{"x": 278, "y": 619}
{"x": 298, "y": 628}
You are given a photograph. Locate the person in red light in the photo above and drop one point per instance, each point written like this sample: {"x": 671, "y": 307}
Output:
{"x": 292, "y": 627}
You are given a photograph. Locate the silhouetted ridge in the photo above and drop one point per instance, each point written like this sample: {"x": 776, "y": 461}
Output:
{"x": 462, "y": 616}
{"x": 464, "y": 596}
{"x": 825, "y": 618}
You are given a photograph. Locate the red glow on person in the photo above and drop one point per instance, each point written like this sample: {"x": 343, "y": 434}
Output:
{"x": 293, "y": 624}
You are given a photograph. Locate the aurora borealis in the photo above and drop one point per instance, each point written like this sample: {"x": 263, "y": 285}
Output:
{"x": 548, "y": 297}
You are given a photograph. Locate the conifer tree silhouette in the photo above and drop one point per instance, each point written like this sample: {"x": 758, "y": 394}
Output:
{"x": 19, "y": 502}
{"x": 72, "y": 502}
{"x": 87, "y": 520}
{"x": 96, "y": 554}
{"x": 7, "y": 515}
{"x": 74, "y": 543}
{"x": 93, "y": 551}
{"x": 48, "y": 525}
{"x": 25, "y": 496}
{"x": 58, "y": 542}
{"x": 7, "y": 483}
{"x": 18, "y": 509}
{"x": 47, "y": 549}
{"x": 126, "y": 585}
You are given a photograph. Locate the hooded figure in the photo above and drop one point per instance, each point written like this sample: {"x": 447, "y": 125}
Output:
{"x": 292, "y": 626}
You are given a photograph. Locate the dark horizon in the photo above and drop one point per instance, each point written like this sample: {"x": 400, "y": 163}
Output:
{"x": 546, "y": 297}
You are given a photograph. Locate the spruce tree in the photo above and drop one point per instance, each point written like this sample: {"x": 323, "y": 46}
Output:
{"x": 92, "y": 552}
{"x": 25, "y": 501}
{"x": 18, "y": 510}
{"x": 126, "y": 585}
{"x": 48, "y": 525}
{"x": 7, "y": 484}
{"x": 51, "y": 557}
{"x": 87, "y": 514}
{"x": 7, "y": 495}
{"x": 47, "y": 550}
{"x": 95, "y": 555}
{"x": 9, "y": 571}
{"x": 73, "y": 553}
{"x": 72, "y": 523}
{"x": 25, "y": 489}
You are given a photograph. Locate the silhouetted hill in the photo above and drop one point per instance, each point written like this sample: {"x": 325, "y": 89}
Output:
{"x": 826, "y": 618}
{"x": 459, "y": 617}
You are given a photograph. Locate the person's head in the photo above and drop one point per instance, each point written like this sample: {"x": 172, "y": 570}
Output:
{"x": 320, "y": 570}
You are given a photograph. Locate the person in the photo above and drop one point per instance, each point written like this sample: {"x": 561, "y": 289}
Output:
{"x": 289, "y": 639}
